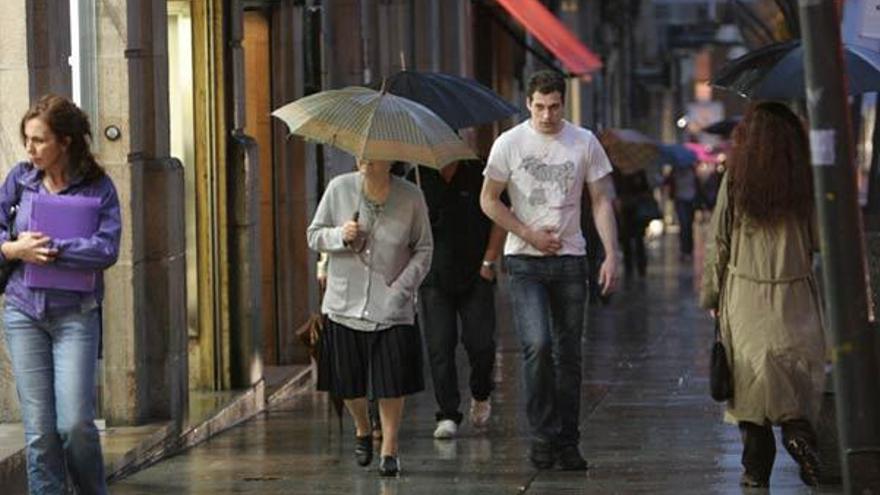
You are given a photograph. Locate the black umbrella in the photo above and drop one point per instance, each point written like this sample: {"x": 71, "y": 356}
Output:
{"x": 777, "y": 72}
{"x": 723, "y": 127}
{"x": 459, "y": 101}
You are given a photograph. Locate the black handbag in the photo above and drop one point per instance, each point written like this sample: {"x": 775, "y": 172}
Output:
{"x": 9, "y": 266}
{"x": 720, "y": 378}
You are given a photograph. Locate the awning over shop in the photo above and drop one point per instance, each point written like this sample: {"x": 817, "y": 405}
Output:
{"x": 549, "y": 30}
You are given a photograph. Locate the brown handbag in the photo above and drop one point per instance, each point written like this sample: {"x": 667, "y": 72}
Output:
{"x": 309, "y": 333}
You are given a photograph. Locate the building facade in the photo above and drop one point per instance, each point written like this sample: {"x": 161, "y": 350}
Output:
{"x": 214, "y": 275}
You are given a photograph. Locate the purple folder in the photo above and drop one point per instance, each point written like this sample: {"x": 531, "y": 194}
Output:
{"x": 62, "y": 217}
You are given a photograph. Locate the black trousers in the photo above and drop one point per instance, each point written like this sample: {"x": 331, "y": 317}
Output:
{"x": 631, "y": 234}
{"x": 685, "y": 211}
{"x": 439, "y": 314}
{"x": 759, "y": 444}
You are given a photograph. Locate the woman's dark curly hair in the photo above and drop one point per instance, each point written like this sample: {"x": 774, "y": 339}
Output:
{"x": 770, "y": 175}
{"x": 66, "y": 120}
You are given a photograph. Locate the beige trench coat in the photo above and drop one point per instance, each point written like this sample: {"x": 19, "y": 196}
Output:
{"x": 770, "y": 314}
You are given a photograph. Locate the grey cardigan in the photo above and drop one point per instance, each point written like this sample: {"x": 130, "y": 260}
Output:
{"x": 379, "y": 283}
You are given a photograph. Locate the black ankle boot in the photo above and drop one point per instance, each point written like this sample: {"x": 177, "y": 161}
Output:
{"x": 363, "y": 450}
{"x": 807, "y": 458}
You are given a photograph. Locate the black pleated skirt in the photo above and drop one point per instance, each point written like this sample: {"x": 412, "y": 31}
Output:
{"x": 381, "y": 364}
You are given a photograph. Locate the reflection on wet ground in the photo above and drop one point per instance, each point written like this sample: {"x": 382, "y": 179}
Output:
{"x": 648, "y": 424}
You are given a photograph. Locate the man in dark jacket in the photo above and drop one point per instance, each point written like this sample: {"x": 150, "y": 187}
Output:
{"x": 460, "y": 285}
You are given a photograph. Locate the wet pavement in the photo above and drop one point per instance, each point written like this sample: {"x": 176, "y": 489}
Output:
{"x": 648, "y": 424}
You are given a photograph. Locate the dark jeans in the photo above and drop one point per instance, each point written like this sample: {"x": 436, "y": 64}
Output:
{"x": 439, "y": 313}
{"x": 759, "y": 445}
{"x": 684, "y": 209}
{"x": 548, "y": 296}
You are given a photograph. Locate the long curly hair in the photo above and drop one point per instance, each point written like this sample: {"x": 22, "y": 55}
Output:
{"x": 770, "y": 176}
{"x": 66, "y": 120}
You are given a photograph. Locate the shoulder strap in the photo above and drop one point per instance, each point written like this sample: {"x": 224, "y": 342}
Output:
{"x": 19, "y": 188}
{"x": 731, "y": 218}
{"x": 13, "y": 210}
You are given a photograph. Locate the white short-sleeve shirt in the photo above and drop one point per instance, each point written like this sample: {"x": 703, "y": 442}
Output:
{"x": 545, "y": 176}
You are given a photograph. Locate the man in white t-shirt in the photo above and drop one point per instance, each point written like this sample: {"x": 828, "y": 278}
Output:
{"x": 543, "y": 163}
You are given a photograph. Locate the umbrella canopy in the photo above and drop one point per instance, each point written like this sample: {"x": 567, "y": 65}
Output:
{"x": 678, "y": 155}
{"x": 702, "y": 153}
{"x": 777, "y": 72}
{"x": 723, "y": 127}
{"x": 374, "y": 126}
{"x": 629, "y": 150}
{"x": 459, "y": 101}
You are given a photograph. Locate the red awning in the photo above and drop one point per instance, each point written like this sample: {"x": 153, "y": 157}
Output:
{"x": 562, "y": 43}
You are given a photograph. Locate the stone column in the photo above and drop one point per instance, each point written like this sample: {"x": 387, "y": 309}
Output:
{"x": 13, "y": 103}
{"x": 125, "y": 401}
{"x": 342, "y": 64}
{"x": 34, "y": 47}
{"x": 295, "y": 284}
{"x": 48, "y": 40}
{"x": 145, "y": 372}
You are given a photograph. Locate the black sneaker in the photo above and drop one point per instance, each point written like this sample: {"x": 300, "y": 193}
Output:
{"x": 570, "y": 459}
{"x": 363, "y": 450}
{"x": 542, "y": 455}
{"x": 807, "y": 459}
{"x": 389, "y": 466}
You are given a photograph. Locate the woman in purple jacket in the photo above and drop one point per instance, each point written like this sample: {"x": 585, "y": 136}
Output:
{"x": 53, "y": 335}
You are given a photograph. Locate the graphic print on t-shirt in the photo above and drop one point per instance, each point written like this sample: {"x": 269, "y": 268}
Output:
{"x": 550, "y": 180}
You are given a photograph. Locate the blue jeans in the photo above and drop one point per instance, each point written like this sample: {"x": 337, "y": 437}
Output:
{"x": 54, "y": 362}
{"x": 548, "y": 296}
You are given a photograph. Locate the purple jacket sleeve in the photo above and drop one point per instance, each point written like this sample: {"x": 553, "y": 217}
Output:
{"x": 101, "y": 250}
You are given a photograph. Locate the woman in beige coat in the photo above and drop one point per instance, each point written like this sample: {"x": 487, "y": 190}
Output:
{"x": 758, "y": 280}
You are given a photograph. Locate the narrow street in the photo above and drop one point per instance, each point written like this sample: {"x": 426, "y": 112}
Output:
{"x": 648, "y": 423}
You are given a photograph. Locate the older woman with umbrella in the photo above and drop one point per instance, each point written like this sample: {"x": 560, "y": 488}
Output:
{"x": 375, "y": 230}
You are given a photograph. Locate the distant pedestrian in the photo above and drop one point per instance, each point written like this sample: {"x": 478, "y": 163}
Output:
{"x": 459, "y": 287}
{"x": 758, "y": 278}
{"x": 53, "y": 335}
{"x": 637, "y": 208}
{"x": 683, "y": 179}
{"x": 543, "y": 163}
{"x": 374, "y": 228}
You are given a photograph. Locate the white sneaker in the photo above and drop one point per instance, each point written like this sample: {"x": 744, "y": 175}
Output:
{"x": 481, "y": 411}
{"x": 446, "y": 428}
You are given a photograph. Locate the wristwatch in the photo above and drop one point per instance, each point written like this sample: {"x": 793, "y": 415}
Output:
{"x": 489, "y": 264}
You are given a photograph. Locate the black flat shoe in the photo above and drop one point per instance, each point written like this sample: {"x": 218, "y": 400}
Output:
{"x": 570, "y": 459}
{"x": 389, "y": 466}
{"x": 363, "y": 450}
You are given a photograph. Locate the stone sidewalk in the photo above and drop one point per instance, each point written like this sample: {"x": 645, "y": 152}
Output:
{"x": 648, "y": 424}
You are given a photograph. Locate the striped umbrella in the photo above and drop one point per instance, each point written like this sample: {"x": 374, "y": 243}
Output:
{"x": 374, "y": 125}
